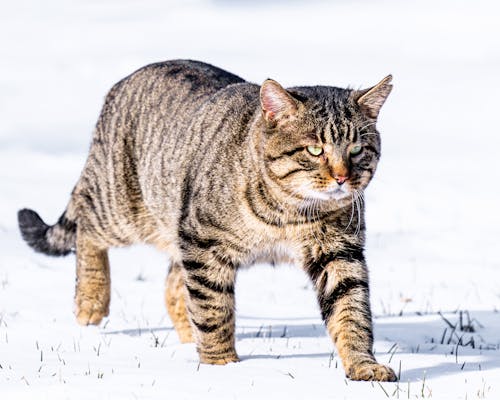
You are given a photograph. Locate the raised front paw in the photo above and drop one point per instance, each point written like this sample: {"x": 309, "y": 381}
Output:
{"x": 90, "y": 312}
{"x": 371, "y": 372}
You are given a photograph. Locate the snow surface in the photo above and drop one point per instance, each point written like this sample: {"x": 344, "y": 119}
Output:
{"x": 432, "y": 211}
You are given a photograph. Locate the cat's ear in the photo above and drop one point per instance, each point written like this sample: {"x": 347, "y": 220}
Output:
{"x": 276, "y": 102}
{"x": 371, "y": 100}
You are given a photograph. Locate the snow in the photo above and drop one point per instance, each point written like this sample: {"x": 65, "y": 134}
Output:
{"x": 433, "y": 221}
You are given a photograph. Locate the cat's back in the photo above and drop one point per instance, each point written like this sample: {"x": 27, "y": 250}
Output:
{"x": 133, "y": 153}
{"x": 179, "y": 79}
{"x": 162, "y": 97}
{"x": 147, "y": 114}
{"x": 201, "y": 78}
{"x": 155, "y": 104}
{"x": 172, "y": 96}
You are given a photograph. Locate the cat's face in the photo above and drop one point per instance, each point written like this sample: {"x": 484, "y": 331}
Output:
{"x": 321, "y": 142}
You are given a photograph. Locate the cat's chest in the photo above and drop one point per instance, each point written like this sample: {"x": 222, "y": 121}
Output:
{"x": 287, "y": 244}
{"x": 279, "y": 252}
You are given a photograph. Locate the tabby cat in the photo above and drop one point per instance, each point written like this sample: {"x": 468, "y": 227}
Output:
{"x": 219, "y": 172}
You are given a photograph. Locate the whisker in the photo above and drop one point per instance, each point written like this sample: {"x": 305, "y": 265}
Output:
{"x": 356, "y": 203}
{"x": 369, "y": 133}
{"x": 368, "y": 125}
{"x": 317, "y": 236}
{"x": 352, "y": 212}
{"x": 360, "y": 200}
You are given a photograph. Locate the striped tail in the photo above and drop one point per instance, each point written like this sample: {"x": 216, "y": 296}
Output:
{"x": 55, "y": 240}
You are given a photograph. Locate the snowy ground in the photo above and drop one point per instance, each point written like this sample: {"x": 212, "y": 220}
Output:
{"x": 433, "y": 220}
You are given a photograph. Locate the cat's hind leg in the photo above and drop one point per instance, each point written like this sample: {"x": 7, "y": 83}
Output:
{"x": 92, "y": 292}
{"x": 175, "y": 299}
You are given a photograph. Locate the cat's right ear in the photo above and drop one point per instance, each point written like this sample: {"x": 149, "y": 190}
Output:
{"x": 276, "y": 103}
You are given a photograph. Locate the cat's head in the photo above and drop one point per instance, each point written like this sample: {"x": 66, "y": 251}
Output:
{"x": 320, "y": 143}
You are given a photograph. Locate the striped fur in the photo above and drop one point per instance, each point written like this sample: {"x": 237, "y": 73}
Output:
{"x": 217, "y": 172}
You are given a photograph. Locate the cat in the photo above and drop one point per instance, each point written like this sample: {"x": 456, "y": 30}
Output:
{"x": 219, "y": 172}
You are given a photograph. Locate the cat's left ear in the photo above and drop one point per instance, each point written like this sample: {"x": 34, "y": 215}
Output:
{"x": 371, "y": 100}
{"x": 276, "y": 103}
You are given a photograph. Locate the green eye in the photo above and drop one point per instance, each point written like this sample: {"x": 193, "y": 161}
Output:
{"x": 315, "y": 150}
{"x": 356, "y": 149}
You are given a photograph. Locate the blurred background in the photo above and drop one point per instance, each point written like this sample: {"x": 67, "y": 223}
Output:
{"x": 433, "y": 207}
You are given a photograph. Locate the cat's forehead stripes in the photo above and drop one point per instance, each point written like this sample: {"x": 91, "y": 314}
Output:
{"x": 333, "y": 112}
{"x": 335, "y": 126}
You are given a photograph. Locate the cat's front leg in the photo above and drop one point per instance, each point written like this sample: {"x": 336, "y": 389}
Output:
{"x": 210, "y": 288}
{"x": 341, "y": 281}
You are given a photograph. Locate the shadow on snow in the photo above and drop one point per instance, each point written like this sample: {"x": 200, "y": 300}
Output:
{"x": 470, "y": 344}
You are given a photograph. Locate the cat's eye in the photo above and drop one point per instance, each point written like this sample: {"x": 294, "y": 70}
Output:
{"x": 355, "y": 150}
{"x": 315, "y": 150}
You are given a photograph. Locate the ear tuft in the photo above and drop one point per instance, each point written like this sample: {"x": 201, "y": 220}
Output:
{"x": 371, "y": 100}
{"x": 276, "y": 102}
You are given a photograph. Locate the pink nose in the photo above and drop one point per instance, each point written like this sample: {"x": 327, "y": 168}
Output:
{"x": 340, "y": 179}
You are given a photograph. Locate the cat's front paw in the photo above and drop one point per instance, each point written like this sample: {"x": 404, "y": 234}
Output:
{"x": 90, "y": 313}
{"x": 219, "y": 359}
{"x": 371, "y": 372}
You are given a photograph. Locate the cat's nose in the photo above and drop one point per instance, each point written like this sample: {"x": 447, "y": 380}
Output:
{"x": 340, "y": 179}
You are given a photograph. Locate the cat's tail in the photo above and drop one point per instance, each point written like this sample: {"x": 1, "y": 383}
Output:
{"x": 55, "y": 240}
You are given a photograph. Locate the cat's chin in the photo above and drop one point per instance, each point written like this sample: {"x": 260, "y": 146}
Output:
{"x": 338, "y": 193}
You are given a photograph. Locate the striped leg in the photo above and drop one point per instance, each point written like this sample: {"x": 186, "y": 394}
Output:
{"x": 342, "y": 285}
{"x": 175, "y": 298}
{"x": 210, "y": 305}
{"x": 92, "y": 293}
